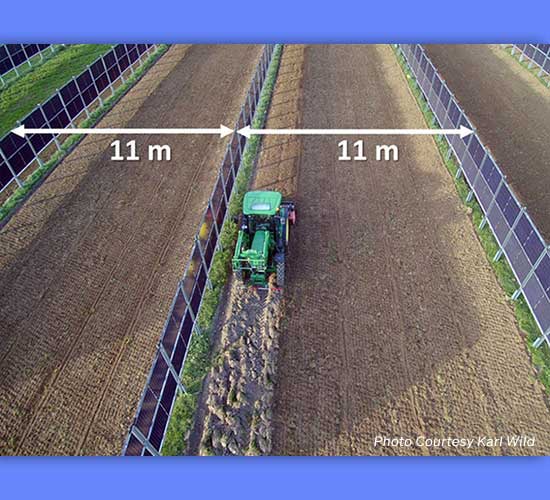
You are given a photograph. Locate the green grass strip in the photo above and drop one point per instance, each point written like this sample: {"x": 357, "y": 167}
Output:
{"x": 12, "y": 77}
{"x": 19, "y": 99}
{"x": 199, "y": 359}
{"x": 21, "y": 193}
{"x": 541, "y": 356}
{"x": 534, "y": 69}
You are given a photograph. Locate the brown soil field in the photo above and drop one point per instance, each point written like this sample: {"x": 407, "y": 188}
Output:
{"x": 509, "y": 107}
{"x": 89, "y": 265}
{"x": 394, "y": 324}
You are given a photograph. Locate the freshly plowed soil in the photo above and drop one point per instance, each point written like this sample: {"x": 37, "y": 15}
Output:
{"x": 89, "y": 265}
{"x": 394, "y": 324}
{"x": 510, "y": 109}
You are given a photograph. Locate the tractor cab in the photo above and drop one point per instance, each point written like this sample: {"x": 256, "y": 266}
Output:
{"x": 263, "y": 237}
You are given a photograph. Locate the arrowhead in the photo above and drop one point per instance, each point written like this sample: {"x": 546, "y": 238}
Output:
{"x": 225, "y": 131}
{"x": 20, "y": 131}
{"x": 245, "y": 131}
{"x": 465, "y": 131}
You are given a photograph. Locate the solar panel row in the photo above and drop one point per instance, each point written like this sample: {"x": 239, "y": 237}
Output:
{"x": 154, "y": 410}
{"x": 518, "y": 237}
{"x": 537, "y": 53}
{"x": 14, "y": 55}
{"x": 60, "y": 110}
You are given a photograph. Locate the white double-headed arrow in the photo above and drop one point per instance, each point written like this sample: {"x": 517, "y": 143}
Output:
{"x": 224, "y": 131}
{"x": 462, "y": 131}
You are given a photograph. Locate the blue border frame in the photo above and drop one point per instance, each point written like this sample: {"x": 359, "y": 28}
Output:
{"x": 345, "y": 21}
{"x": 280, "y": 21}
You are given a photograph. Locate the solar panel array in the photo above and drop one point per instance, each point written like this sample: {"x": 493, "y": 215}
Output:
{"x": 150, "y": 423}
{"x": 537, "y": 53}
{"x": 61, "y": 109}
{"x": 517, "y": 236}
{"x": 14, "y": 55}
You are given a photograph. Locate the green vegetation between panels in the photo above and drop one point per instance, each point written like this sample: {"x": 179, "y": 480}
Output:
{"x": 540, "y": 356}
{"x": 20, "y": 98}
{"x": 30, "y": 183}
{"x": 199, "y": 359}
{"x": 11, "y": 77}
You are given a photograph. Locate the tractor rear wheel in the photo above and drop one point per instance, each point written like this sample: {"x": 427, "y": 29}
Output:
{"x": 281, "y": 274}
{"x": 239, "y": 275}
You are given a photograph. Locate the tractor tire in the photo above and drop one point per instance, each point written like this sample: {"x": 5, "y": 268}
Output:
{"x": 239, "y": 275}
{"x": 281, "y": 274}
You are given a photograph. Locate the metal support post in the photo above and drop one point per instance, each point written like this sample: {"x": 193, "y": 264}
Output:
{"x": 173, "y": 371}
{"x": 144, "y": 441}
{"x": 206, "y": 269}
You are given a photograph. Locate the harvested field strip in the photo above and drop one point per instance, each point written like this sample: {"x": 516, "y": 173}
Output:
{"x": 95, "y": 255}
{"x": 540, "y": 356}
{"x": 394, "y": 322}
{"x": 236, "y": 412}
{"x": 20, "y": 98}
{"x": 199, "y": 357}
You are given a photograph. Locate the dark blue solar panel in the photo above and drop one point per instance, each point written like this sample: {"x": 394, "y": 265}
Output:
{"x": 169, "y": 392}
{"x": 542, "y": 313}
{"x": 159, "y": 426}
{"x": 423, "y": 64}
{"x": 158, "y": 375}
{"x": 469, "y": 168}
{"x": 511, "y": 211}
{"x": 533, "y": 247}
{"x": 539, "y": 57}
{"x": 170, "y": 334}
{"x": 445, "y": 96}
{"x": 498, "y": 223}
{"x": 430, "y": 72}
{"x": 523, "y": 229}
{"x": 179, "y": 354}
{"x": 187, "y": 328}
{"x": 518, "y": 260}
{"x": 532, "y": 291}
{"x": 437, "y": 84}
{"x": 491, "y": 174}
{"x": 503, "y": 196}
{"x": 134, "y": 447}
{"x": 543, "y": 273}
{"x": 146, "y": 413}
{"x": 454, "y": 113}
{"x": 483, "y": 193}
{"x": 5, "y": 175}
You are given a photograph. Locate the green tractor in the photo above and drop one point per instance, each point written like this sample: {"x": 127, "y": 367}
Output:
{"x": 263, "y": 238}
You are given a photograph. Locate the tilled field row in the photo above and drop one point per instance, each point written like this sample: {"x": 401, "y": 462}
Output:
{"x": 90, "y": 263}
